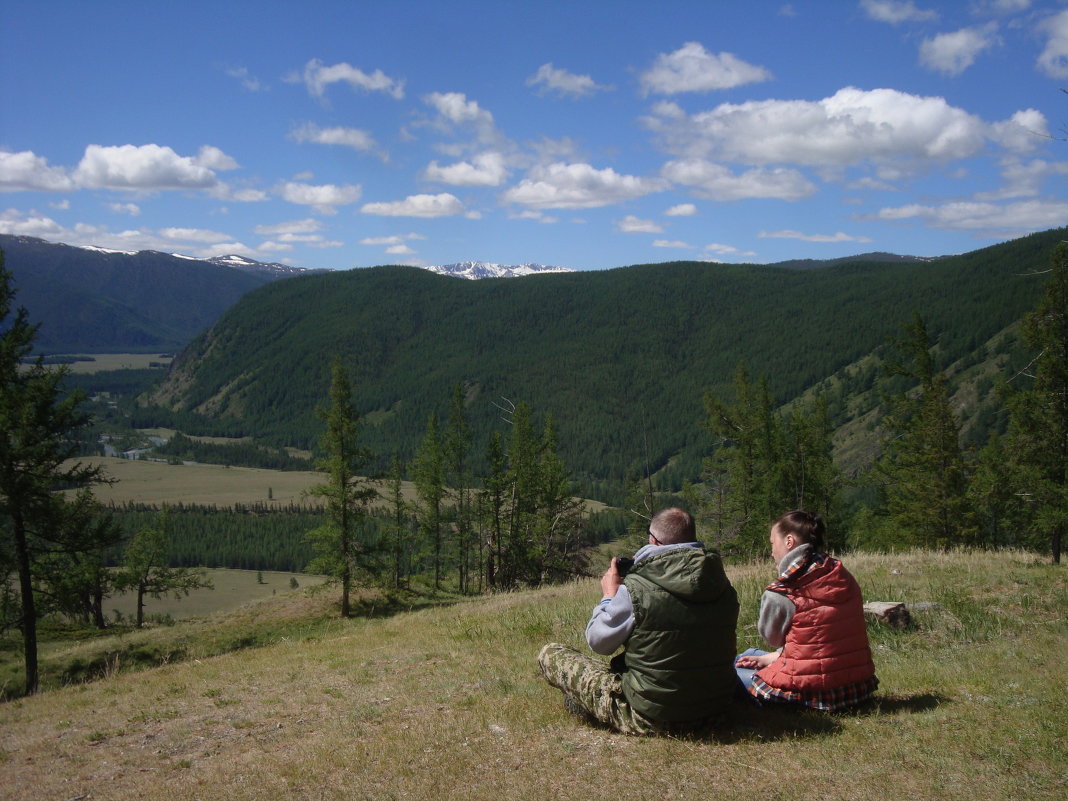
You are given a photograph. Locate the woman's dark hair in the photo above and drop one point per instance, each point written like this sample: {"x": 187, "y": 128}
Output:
{"x": 805, "y": 526}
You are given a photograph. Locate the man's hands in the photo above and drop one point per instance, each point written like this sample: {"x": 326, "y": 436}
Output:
{"x": 757, "y": 662}
{"x": 611, "y": 581}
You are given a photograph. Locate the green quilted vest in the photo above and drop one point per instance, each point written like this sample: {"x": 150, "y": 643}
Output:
{"x": 680, "y": 657}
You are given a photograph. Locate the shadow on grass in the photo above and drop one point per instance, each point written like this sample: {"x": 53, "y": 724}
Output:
{"x": 747, "y": 722}
{"x": 894, "y": 704}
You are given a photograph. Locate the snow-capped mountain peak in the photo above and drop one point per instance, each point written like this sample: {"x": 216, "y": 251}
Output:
{"x": 481, "y": 269}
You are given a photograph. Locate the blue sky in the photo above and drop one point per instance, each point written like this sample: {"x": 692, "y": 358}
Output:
{"x": 585, "y": 135}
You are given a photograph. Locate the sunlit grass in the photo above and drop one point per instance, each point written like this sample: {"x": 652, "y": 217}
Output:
{"x": 447, "y": 702}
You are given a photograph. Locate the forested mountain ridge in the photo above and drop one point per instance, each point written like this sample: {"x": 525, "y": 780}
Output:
{"x": 620, "y": 358}
{"x": 94, "y": 301}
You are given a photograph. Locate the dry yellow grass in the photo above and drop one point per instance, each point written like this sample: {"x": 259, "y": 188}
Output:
{"x": 447, "y": 703}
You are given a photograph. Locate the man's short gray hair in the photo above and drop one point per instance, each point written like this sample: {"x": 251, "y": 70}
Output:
{"x": 672, "y": 526}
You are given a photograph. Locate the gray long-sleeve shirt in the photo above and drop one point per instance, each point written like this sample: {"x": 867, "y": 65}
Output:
{"x": 612, "y": 620}
{"x": 776, "y": 610}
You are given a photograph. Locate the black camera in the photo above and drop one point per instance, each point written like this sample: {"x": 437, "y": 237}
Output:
{"x": 623, "y": 565}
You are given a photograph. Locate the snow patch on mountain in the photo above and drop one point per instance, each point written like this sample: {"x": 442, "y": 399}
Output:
{"x": 474, "y": 270}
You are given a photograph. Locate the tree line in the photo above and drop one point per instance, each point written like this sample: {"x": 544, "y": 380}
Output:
{"x": 518, "y": 524}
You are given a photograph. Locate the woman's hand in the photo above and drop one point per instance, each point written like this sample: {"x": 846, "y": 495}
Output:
{"x": 757, "y": 662}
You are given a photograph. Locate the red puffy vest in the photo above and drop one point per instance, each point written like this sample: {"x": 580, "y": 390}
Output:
{"x": 827, "y": 643}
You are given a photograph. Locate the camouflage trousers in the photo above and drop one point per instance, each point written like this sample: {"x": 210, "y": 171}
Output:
{"x": 591, "y": 686}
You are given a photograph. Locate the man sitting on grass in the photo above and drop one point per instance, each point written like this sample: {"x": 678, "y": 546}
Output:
{"x": 675, "y": 612}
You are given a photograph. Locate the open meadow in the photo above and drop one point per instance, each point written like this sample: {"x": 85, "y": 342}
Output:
{"x": 157, "y": 483}
{"x": 230, "y": 590}
{"x": 99, "y": 362}
{"x": 446, "y": 702}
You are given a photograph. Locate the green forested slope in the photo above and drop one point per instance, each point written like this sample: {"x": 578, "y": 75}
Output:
{"x": 619, "y": 357}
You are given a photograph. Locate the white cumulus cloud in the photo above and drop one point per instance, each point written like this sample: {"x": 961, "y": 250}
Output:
{"x": 125, "y": 208}
{"x": 147, "y": 167}
{"x": 485, "y": 169}
{"x": 355, "y": 138}
{"x": 787, "y": 234}
{"x": 1021, "y": 133}
{"x": 318, "y": 77}
{"x": 194, "y": 235}
{"x": 1025, "y": 178}
{"x": 214, "y": 159}
{"x": 306, "y": 226}
{"x": 322, "y": 198}
{"x": 670, "y": 243}
{"x": 26, "y": 170}
{"x": 847, "y": 128}
{"x": 443, "y": 205}
{"x": 396, "y": 239}
{"x": 691, "y": 68}
{"x": 716, "y": 182}
{"x": 18, "y": 223}
{"x": 896, "y": 11}
{"x": 953, "y": 53}
{"x": 635, "y": 225}
{"x": 248, "y": 80}
{"x": 681, "y": 210}
{"x": 578, "y": 186}
{"x": 552, "y": 79}
{"x": 990, "y": 218}
{"x": 1053, "y": 60}
{"x": 457, "y": 109}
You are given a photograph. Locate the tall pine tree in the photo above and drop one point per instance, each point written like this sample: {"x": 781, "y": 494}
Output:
{"x": 346, "y": 491}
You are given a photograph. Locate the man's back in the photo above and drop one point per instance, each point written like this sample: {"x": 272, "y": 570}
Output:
{"x": 680, "y": 655}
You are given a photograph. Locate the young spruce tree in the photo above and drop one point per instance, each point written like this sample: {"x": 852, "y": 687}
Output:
{"x": 922, "y": 465}
{"x": 346, "y": 492}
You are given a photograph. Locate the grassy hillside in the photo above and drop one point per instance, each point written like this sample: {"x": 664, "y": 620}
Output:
{"x": 621, "y": 358}
{"x": 447, "y": 703}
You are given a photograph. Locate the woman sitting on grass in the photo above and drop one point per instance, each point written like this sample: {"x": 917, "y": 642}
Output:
{"x": 814, "y": 614}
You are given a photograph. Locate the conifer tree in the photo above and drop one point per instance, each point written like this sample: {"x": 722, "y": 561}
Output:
{"x": 399, "y": 537}
{"x": 559, "y": 516}
{"x": 745, "y": 471}
{"x": 146, "y": 568}
{"x": 1037, "y": 440}
{"x": 1000, "y": 515}
{"x": 812, "y": 480}
{"x": 38, "y": 422}
{"x": 922, "y": 465}
{"x": 347, "y": 493}
{"x": 523, "y": 486}
{"x": 456, "y": 447}
{"x": 495, "y": 487}
{"x": 429, "y": 472}
{"x": 76, "y": 583}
